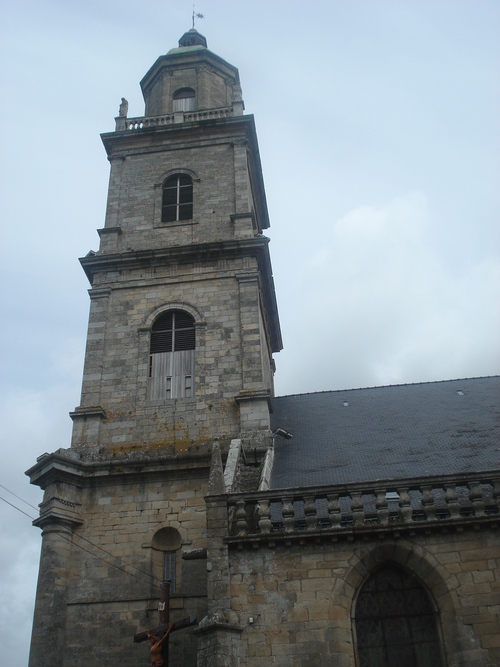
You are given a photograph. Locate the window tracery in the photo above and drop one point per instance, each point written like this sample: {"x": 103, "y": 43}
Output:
{"x": 395, "y": 622}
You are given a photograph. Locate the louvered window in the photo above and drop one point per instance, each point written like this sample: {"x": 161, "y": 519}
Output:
{"x": 184, "y": 100}
{"x": 171, "y": 358}
{"x": 395, "y": 622}
{"x": 177, "y": 200}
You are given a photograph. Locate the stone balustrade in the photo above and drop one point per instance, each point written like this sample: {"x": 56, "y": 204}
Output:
{"x": 144, "y": 122}
{"x": 208, "y": 114}
{"x": 410, "y": 504}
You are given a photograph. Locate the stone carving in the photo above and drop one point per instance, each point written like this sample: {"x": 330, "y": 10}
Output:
{"x": 123, "y": 108}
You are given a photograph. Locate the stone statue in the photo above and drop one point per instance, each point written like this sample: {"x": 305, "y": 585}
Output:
{"x": 123, "y": 108}
{"x": 156, "y": 647}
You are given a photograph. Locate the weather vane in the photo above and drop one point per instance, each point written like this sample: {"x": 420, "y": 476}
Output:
{"x": 197, "y": 15}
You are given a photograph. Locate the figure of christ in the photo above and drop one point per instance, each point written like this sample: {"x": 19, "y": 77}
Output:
{"x": 157, "y": 646}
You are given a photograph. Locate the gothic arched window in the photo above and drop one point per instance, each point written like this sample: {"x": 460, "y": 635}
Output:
{"x": 184, "y": 100}
{"x": 395, "y": 622}
{"x": 171, "y": 356}
{"x": 177, "y": 200}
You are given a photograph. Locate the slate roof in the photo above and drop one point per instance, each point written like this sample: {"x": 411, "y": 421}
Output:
{"x": 393, "y": 432}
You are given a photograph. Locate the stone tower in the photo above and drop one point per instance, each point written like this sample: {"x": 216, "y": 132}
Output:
{"x": 182, "y": 327}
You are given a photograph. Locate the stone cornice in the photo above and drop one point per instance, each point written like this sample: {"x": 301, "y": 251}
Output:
{"x": 256, "y": 246}
{"x": 57, "y": 513}
{"x": 88, "y": 411}
{"x": 394, "y": 529}
{"x": 253, "y": 247}
{"x": 68, "y": 467}
{"x": 245, "y": 396}
{"x": 109, "y": 230}
{"x": 122, "y": 142}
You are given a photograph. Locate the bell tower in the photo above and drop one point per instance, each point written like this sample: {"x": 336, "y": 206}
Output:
{"x": 182, "y": 328}
{"x": 183, "y": 317}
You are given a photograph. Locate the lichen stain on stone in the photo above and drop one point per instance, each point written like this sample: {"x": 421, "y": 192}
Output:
{"x": 119, "y": 415}
{"x": 177, "y": 433}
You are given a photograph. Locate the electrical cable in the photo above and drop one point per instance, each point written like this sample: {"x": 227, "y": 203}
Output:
{"x": 146, "y": 574}
{"x": 19, "y": 497}
{"x": 71, "y": 541}
{"x": 66, "y": 537}
{"x": 17, "y": 508}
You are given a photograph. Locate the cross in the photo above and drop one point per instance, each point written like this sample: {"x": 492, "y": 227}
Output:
{"x": 159, "y": 636}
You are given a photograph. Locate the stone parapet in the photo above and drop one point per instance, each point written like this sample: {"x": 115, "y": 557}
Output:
{"x": 144, "y": 122}
{"x": 390, "y": 507}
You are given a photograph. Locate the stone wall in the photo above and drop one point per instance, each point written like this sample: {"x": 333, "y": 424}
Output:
{"x": 217, "y": 162}
{"x": 231, "y": 348}
{"x": 100, "y": 580}
{"x": 215, "y": 81}
{"x": 295, "y": 602}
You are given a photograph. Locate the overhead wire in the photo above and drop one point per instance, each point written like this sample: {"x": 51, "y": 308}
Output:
{"x": 66, "y": 537}
{"x": 71, "y": 541}
{"x": 17, "y": 508}
{"x": 146, "y": 574}
{"x": 19, "y": 497}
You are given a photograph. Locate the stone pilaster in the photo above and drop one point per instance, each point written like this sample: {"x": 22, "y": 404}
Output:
{"x": 49, "y": 621}
{"x": 219, "y": 632}
{"x": 58, "y": 517}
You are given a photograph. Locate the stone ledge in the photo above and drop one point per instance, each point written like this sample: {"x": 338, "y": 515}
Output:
{"x": 84, "y": 412}
{"x": 159, "y": 256}
{"x": 75, "y": 467}
{"x": 216, "y": 623}
{"x": 272, "y": 540}
{"x": 245, "y": 396}
{"x": 109, "y": 230}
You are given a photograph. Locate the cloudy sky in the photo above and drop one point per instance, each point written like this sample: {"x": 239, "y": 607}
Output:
{"x": 379, "y": 138}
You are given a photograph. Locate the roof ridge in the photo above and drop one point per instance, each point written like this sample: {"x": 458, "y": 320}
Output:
{"x": 387, "y": 386}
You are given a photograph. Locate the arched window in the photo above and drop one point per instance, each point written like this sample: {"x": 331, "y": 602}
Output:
{"x": 184, "y": 100}
{"x": 166, "y": 543}
{"x": 177, "y": 200}
{"x": 171, "y": 356}
{"x": 395, "y": 622}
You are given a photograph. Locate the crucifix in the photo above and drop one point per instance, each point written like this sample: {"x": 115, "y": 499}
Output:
{"x": 159, "y": 636}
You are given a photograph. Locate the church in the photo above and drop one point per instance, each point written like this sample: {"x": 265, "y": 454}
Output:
{"x": 196, "y": 509}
